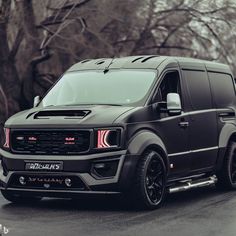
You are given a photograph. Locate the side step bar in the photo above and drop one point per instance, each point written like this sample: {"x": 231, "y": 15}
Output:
{"x": 187, "y": 185}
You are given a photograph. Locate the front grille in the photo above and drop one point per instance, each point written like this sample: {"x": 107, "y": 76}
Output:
{"x": 55, "y": 142}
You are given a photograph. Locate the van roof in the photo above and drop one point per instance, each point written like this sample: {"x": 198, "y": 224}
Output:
{"x": 149, "y": 62}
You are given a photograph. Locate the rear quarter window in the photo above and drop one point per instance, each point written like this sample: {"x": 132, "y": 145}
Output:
{"x": 223, "y": 89}
{"x": 198, "y": 88}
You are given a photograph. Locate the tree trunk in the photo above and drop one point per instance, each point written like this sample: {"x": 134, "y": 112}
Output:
{"x": 9, "y": 80}
{"x": 32, "y": 41}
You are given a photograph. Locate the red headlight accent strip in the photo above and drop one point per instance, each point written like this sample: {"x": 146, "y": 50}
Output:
{"x": 7, "y": 138}
{"x": 102, "y": 139}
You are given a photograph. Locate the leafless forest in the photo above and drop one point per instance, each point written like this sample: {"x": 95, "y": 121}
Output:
{"x": 40, "y": 39}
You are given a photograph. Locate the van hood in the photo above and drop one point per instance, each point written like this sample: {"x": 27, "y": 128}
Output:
{"x": 68, "y": 116}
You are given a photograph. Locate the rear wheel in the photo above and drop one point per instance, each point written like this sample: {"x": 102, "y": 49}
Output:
{"x": 227, "y": 175}
{"x": 150, "y": 181}
{"x": 16, "y": 198}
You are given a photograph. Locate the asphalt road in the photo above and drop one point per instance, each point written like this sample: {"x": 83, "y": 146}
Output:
{"x": 199, "y": 212}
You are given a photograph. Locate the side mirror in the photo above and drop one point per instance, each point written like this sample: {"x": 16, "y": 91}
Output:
{"x": 174, "y": 104}
{"x": 36, "y": 101}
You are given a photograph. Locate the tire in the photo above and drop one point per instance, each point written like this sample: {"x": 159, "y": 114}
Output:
{"x": 16, "y": 198}
{"x": 227, "y": 175}
{"x": 150, "y": 182}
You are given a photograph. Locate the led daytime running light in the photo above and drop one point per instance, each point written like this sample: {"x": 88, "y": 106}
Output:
{"x": 103, "y": 139}
{"x": 7, "y": 138}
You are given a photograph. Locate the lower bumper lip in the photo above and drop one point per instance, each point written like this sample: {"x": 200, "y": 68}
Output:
{"x": 59, "y": 191}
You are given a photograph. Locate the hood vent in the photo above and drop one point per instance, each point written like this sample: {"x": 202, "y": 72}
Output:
{"x": 148, "y": 58}
{"x": 66, "y": 114}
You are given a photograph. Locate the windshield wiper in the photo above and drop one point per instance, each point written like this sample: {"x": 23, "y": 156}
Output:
{"x": 88, "y": 104}
{"x": 107, "y": 104}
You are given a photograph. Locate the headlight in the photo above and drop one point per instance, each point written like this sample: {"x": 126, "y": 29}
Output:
{"x": 7, "y": 138}
{"x": 107, "y": 138}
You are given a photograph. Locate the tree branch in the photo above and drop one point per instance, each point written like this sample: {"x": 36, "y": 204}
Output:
{"x": 214, "y": 34}
{"x": 45, "y": 55}
{"x": 167, "y": 46}
{"x": 53, "y": 19}
{"x": 68, "y": 6}
{"x": 17, "y": 42}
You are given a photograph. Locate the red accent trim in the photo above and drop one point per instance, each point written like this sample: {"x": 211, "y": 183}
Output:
{"x": 32, "y": 138}
{"x": 69, "y": 139}
{"x": 69, "y": 143}
{"x": 102, "y": 139}
{"x": 99, "y": 139}
{"x": 7, "y": 138}
{"x": 105, "y": 138}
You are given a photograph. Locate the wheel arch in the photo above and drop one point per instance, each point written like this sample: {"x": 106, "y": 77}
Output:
{"x": 147, "y": 140}
{"x": 227, "y": 135}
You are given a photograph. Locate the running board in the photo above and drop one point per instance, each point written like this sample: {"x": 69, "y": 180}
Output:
{"x": 184, "y": 186}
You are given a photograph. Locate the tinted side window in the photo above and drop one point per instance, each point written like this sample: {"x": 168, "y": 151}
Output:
{"x": 169, "y": 84}
{"x": 223, "y": 89}
{"x": 198, "y": 89}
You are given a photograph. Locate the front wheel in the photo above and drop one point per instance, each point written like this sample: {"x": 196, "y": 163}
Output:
{"x": 150, "y": 181}
{"x": 227, "y": 175}
{"x": 16, "y": 198}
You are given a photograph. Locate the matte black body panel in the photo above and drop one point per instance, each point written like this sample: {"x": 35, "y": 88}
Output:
{"x": 203, "y": 135}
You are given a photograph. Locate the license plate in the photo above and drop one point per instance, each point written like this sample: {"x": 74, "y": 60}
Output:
{"x": 44, "y": 166}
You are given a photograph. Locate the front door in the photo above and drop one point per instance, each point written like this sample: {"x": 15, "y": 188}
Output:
{"x": 174, "y": 130}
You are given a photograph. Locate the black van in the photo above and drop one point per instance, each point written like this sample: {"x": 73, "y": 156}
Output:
{"x": 142, "y": 126}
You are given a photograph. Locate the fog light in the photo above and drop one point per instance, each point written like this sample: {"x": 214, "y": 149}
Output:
{"x": 100, "y": 166}
{"x": 22, "y": 180}
{"x": 105, "y": 169}
{"x": 68, "y": 182}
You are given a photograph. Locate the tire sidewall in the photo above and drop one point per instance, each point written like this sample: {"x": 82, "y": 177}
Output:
{"x": 148, "y": 202}
{"x": 230, "y": 157}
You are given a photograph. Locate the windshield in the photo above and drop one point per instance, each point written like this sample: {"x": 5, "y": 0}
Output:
{"x": 116, "y": 87}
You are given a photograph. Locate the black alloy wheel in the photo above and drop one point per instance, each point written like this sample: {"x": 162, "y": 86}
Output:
{"x": 155, "y": 180}
{"x": 150, "y": 181}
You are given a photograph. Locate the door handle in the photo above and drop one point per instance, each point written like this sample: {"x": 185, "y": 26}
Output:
{"x": 227, "y": 114}
{"x": 184, "y": 124}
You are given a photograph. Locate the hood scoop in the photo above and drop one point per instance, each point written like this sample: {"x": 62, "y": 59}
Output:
{"x": 64, "y": 114}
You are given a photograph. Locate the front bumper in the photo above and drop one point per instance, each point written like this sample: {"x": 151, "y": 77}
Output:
{"x": 81, "y": 168}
